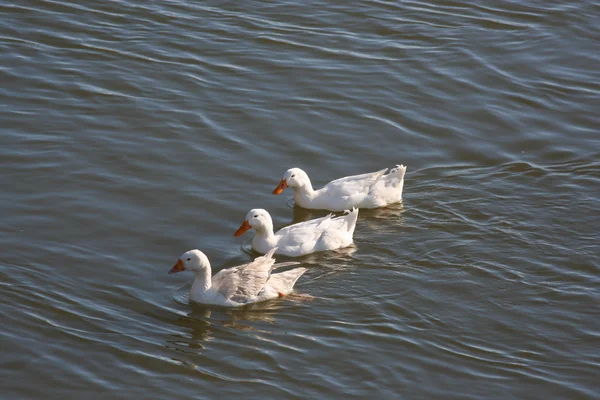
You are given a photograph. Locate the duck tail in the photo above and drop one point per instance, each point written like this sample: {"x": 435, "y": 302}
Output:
{"x": 395, "y": 181}
{"x": 378, "y": 176}
{"x": 284, "y": 282}
{"x": 397, "y": 172}
{"x": 351, "y": 218}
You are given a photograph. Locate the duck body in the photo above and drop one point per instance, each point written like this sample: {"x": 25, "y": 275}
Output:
{"x": 238, "y": 286}
{"x": 326, "y": 233}
{"x": 372, "y": 190}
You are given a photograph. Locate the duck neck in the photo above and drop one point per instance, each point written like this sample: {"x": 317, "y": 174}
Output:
{"x": 265, "y": 233}
{"x": 202, "y": 281}
{"x": 305, "y": 194}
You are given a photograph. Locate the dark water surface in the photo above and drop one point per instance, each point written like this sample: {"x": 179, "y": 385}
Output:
{"x": 133, "y": 131}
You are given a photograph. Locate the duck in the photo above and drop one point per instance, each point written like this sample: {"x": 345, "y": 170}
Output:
{"x": 320, "y": 234}
{"x": 371, "y": 190}
{"x": 237, "y": 286}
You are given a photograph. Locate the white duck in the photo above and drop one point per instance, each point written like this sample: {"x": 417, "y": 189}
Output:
{"x": 326, "y": 233}
{"x": 237, "y": 286}
{"x": 371, "y": 190}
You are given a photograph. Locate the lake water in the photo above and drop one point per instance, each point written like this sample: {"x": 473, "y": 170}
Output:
{"x": 133, "y": 131}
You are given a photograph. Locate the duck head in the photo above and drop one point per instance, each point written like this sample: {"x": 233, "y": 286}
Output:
{"x": 192, "y": 260}
{"x": 293, "y": 177}
{"x": 256, "y": 218}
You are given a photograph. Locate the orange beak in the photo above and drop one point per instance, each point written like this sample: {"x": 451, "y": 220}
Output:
{"x": 281, "y": 187}
{"x": 243, "y": 228}
{"x": 177, "y": 267}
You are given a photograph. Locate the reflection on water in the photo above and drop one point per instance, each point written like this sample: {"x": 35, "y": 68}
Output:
{"x": 303, "y": 214}
{"x": 199, "y": 331}
{"x": 391, "y": 212}
{"x": 204, "y": 323}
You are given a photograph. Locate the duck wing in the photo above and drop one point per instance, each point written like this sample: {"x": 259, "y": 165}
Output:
{"x": 352, "y": 185}
{"x": 245, "y": 281}
{"x": 303, "y": 227}
{"x": 316, "y": 235}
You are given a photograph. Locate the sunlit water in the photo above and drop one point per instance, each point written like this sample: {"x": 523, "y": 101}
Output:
{"x": 133, "y": 131}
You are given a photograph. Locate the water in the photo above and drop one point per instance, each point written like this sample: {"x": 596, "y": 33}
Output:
{"x": 133, "y": 131}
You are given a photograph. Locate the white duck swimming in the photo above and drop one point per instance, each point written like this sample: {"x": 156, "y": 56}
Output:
{"x": 237, "y": 286}
{"x": 326, "y": 233}
{"x": 371, "y": 190}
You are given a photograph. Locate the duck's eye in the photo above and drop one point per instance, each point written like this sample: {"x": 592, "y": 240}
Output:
{"x": 293, "y": 176}
{"x": 256, "y": 216}
{"x": 189, "y": 259}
